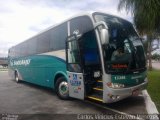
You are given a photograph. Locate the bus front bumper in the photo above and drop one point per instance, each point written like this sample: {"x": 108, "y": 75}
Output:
{"x": 117, "y": 94}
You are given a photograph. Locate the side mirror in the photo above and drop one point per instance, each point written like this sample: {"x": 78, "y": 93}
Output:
{"x": 103, "y": 32}
{"x": 104, "y": 36}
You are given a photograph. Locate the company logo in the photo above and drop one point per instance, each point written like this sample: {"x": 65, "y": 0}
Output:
{"x": 20, "y": 62}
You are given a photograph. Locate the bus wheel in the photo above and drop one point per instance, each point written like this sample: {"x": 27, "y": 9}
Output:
{"x": 16, "y": 77}
{"x": 62, "y": 89}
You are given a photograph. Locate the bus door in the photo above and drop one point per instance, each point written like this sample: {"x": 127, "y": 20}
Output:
{"x": 74, "y": 68}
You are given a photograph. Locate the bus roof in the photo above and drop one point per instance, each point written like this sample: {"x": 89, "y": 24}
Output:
{"x": 88, "y": 13}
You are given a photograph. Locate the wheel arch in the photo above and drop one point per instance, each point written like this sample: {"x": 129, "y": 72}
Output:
{"x": 58, "y": 75}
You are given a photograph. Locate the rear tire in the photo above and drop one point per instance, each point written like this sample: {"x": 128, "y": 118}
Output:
{"x": 62, "y": 89}
{"x": 17, "y": 77}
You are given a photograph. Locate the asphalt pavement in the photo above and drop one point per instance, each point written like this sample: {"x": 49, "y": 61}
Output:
{"x": 29, "y": 99}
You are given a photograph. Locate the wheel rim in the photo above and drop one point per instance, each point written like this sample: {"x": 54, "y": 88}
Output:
{"x": 16, "y": 78}
{"x": 63, "y": 88}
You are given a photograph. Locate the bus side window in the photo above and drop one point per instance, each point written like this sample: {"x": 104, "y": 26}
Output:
{"x": 73, "y": 57}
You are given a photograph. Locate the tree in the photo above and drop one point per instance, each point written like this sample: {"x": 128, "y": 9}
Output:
{"x": 146, "y": 18}
{"x": 156, "y": 56}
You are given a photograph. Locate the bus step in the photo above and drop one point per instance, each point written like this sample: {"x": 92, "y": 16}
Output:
{"x": 99, "y": 81}
{"x": 98, "y": 88}
{"x": 95, "y": 98}
{"x": 98, "y": 96}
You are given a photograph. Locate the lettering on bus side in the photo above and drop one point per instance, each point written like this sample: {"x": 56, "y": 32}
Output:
{"x": 20, "y": 62}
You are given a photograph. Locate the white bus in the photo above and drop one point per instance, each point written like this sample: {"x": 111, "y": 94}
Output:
{"x": 90, "y": 56}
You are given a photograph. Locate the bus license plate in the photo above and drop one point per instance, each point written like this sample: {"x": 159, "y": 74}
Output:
{"x": 135, "y": 93}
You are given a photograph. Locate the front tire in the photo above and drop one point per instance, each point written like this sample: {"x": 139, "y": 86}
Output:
{"x": 62, "y": 89}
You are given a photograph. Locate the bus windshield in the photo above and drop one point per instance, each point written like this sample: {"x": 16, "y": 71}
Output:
{"x": 124, "y": 53}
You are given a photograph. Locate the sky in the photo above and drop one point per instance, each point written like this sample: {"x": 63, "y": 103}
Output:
{"x": 22, "y": 19}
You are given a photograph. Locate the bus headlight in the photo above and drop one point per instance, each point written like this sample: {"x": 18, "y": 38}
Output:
{"x": 115, "y": 85}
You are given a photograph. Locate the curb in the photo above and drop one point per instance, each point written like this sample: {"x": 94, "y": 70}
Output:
{"x": 150, "y": 106}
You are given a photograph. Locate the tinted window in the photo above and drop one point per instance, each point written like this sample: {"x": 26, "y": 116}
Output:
{"x": 90, "y": 48}
{"x": 43, "y": 42}
{"x": 53, "y": 39}
{"x": 81, "y": 25}
{"x": 32, "y": 46}
{"x": 58, "y": 37}
{"x": 88, "y": 42}
{"x": 124, "y": 53}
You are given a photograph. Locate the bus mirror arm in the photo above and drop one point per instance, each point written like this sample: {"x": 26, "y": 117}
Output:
{"x": 99, "y": 24}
